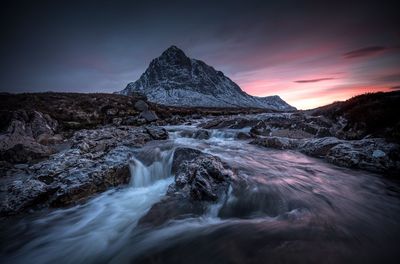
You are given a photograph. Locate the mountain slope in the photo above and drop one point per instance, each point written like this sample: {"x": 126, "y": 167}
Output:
{"x": 174, "y": 79}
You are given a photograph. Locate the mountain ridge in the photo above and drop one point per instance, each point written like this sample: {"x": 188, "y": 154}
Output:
{"x": 177, "y": 80}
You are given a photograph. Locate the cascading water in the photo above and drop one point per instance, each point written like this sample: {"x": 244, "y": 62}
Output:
{"x": 142, "y": 176}
{"x": 88, "y": 233}
{"x": 295, "y": 209}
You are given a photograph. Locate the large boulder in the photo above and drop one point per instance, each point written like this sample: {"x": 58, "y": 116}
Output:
{"x": 141, "y": 105}
{"x": 181, "y": 155}
{"x": 64, "y": 179}
{"x": 319, "y": 147}
{"x": 149, "y": 116}
{"x": 202, "y": 134}
{"x": 157, "y": 133}
{"x": 20, "y": 143}
{"x": 200, "y": 179}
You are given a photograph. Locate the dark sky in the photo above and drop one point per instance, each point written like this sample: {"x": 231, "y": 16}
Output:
{"x": 309, "y": 53}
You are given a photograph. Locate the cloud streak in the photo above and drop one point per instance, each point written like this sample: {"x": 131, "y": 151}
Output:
{"x": 364, "y": 52}
{"x": 314, "y": 80}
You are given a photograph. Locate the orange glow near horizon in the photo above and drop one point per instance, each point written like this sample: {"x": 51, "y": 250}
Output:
{"x": 315, "y": 95}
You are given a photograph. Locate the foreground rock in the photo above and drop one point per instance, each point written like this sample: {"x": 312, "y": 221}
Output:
{"x": 27, "y": 136}
{"x": 97, "y": 162}
{"x": 200, "y": 179}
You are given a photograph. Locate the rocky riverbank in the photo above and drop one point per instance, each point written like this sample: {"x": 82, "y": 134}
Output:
{"x": 59, "y": 149}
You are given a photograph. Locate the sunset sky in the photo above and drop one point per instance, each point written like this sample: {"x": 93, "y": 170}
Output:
{"x": 310, "y": 54}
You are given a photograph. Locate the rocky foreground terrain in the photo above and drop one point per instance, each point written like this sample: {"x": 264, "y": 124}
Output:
{"x": 59, "y": 149}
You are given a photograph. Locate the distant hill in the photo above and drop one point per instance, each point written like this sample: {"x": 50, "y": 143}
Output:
{"x": 368, "y": 114}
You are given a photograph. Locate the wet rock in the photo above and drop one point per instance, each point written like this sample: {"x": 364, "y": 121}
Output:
{"x": 260, "y": 129}
{"x": 83, "y": 185}
{"x": 141, "y": 105}
{"x": 200, "y": 179}
{"x": 169, "y": 208}
{"x": 105, "y": 138}
{"x": 213, "y": 123}
{"x": 202, "y": 134}
{"x": 291, "y": 133}
{"x": 243, "y": 136}
{"x": 370, "y": 154}
{"x": 149, "y": 116}
{"x": 277, "y": 142}
{"x": 64, "y": 179}
{"x": 181, "y": 155}
{"x": 22, "y": 194}
{"x": 157, "y": 133}
{"x": 319, "y": 147}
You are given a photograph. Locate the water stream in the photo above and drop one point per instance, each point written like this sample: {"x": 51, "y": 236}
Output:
{"x": 297, "y": 209}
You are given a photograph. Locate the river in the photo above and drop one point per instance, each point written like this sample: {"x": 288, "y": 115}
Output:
{"x": 298, "y": 209}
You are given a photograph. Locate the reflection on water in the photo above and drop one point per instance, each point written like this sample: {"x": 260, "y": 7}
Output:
{"x": 294, "y": 209}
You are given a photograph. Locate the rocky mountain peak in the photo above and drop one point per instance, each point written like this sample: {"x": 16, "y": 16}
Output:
{"x": 177, "y": 80}
{"x": 173, "y": 56}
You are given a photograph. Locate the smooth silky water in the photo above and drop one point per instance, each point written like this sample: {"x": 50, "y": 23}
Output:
{"x": 296, "y": 209}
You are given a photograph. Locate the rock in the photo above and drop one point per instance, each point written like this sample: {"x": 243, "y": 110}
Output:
{"x": 148, "y": 115}
{"x": 171, "y": 207}
{"x": 106, "y": 138}
{"x": 176, "y": 120}
{"x": 133, "y": 121}
{"x": 243, "y": 136}
{"x": 117, "y": 121}
{"x": 86, "y": 184}
{"x": 19, "y": 143}
{"x": 202, "y": 134}
{"x": 378, "y": 153}
{"x": 366, "y": 154}
{"x": 277, "y": 142}
{"x": 213, "y": 123}
{"x": 319, "y": 147}
{"x": 42, "y": 124}
{"x": 323, "y": 132}
{"x": 141, "y": 106}
{"x": 261, "y": 129}
{"x": 26, "y": 152}
{"x": 64, "y": 179}
{"x": 46, "y": 139}
{"x": 22, "y": 194}
{"x": 200, "y": 179}
{"x": 112, "y": 112}
{"x": 291, "y": 133}
{"x": 157, "y": 133}
{"x": 181, "y": 155}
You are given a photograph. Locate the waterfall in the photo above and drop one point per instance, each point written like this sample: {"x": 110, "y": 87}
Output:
{"x": 142, "y": 175}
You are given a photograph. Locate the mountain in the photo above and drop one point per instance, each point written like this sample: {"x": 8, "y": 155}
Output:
{"x": 174, "y": 79}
